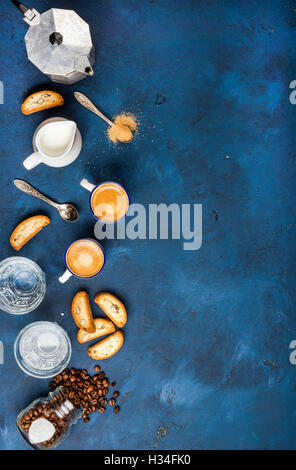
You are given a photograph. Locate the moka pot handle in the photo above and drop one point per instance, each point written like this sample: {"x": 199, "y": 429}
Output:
{"x": 29, "y": 16}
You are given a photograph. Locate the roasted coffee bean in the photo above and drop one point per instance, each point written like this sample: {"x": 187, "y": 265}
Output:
{"x": 84, "y": 391}
{"x": 116, "y": 409}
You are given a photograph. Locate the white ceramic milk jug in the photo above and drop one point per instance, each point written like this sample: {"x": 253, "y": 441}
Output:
{"x": 57, "y": 143}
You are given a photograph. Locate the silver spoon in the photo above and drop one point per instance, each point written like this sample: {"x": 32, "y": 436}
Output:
{"x": 85, "y": 101}
{"x": 67, "y": 211}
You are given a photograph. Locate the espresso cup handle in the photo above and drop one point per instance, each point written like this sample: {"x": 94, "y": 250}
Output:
{"x": 32, "y": 161}
{"x": 87, "y": 185}
{"x": 65, "y": 277}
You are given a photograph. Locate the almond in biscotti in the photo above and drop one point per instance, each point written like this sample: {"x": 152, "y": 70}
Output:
{"x": 107, "y": 347}
{"x": 81, "y": 312}
{"x": 103, "y": 327}
{"x": 27, "y": 229}
{"x": 113, "y": 308}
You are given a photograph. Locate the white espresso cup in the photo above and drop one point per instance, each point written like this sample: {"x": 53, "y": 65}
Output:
{"x": 109, "y": 201}
{"x": 82, "y": 256}
{"x": 57, "y": 142}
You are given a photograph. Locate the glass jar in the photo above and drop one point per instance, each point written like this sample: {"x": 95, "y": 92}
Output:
{"x": 42, "y": 349}
{"x": 22, "y": 285}
{"x": 47, "y": 421}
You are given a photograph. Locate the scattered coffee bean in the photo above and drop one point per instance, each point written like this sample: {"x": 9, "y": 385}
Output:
{"x": 113, "y": 384}
{"x": 116, "y": 409}
{"x": 86, "y": 391}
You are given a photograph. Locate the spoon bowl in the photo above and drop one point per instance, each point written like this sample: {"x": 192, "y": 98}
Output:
{"x": 68, "y": 212}
{"x": 126, "y": 131}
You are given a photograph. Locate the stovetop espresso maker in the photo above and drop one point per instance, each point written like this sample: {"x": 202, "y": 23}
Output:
{"x": 59, "y": 43}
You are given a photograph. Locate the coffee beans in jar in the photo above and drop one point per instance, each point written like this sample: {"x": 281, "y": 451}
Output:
{"x": 46, "y": 422}
{"x": 75, "y": 394}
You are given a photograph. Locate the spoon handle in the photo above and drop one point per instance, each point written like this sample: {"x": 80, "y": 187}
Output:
{"x": 28, "y": 189}
{"x": 84, "y": 101}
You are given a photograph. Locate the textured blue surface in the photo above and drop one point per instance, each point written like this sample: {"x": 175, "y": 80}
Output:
{"x": 200, "y": 323}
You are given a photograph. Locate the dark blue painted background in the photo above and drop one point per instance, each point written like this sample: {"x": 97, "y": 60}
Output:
{"x": 201, "y": 324}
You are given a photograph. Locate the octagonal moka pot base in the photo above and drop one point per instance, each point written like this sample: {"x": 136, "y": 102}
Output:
{"x": 59, "y": 44}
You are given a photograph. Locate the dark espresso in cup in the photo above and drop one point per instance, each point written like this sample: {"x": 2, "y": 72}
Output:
{"x": 109, "y": 202}
{"x": 85, "y": 258}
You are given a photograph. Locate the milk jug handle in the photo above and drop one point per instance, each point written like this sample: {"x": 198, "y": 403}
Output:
{"x": 32, "y": 161}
